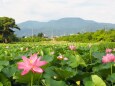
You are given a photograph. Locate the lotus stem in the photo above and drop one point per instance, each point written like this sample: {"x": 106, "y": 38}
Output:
{"x": 111, "y": 73}
{"x": 31, "y": 80}
{"x": 90, "y": 56}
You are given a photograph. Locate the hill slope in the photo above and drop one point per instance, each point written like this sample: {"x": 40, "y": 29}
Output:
{"x": 62, "y": 26}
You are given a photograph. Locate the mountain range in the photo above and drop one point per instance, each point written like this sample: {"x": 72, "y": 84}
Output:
{"x": 63, "y": 26}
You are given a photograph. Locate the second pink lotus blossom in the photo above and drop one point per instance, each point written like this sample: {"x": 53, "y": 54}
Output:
{"x": 108, "y": 58}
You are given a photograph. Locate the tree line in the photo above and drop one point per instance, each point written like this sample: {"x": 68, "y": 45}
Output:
{"x": 99, "y": 35}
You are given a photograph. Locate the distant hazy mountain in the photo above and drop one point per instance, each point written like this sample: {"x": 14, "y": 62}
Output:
{"x": 60, "y": 27}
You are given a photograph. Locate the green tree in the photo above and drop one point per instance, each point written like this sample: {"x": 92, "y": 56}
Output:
{"x": 40, "y": 34}
{"x": 6, "y": 28}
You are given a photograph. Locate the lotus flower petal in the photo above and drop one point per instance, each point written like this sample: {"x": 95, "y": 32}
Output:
{"x": 41, "y": 63}
{"x": 33, "y": 58}
{"x": 38, "y": 70}
{"x": 25, "y": 59}
{"x": 25, "y": 71}
{"x": 21, "y": 65}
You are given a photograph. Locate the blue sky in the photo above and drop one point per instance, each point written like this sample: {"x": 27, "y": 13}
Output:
{"x": 45, "y": 10}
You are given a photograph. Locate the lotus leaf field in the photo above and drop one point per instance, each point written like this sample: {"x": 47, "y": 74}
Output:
{"x": 62, "y": 64}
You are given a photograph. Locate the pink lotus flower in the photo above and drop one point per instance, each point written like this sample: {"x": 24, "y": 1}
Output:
{"x": 31, "y": 64}
{"x": 108, "y": 50}
{"x": 108, "y": 58}
{"x": 72, "y": 47}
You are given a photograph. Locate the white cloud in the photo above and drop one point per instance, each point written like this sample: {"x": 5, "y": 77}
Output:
{"x": 44, "y": 10}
